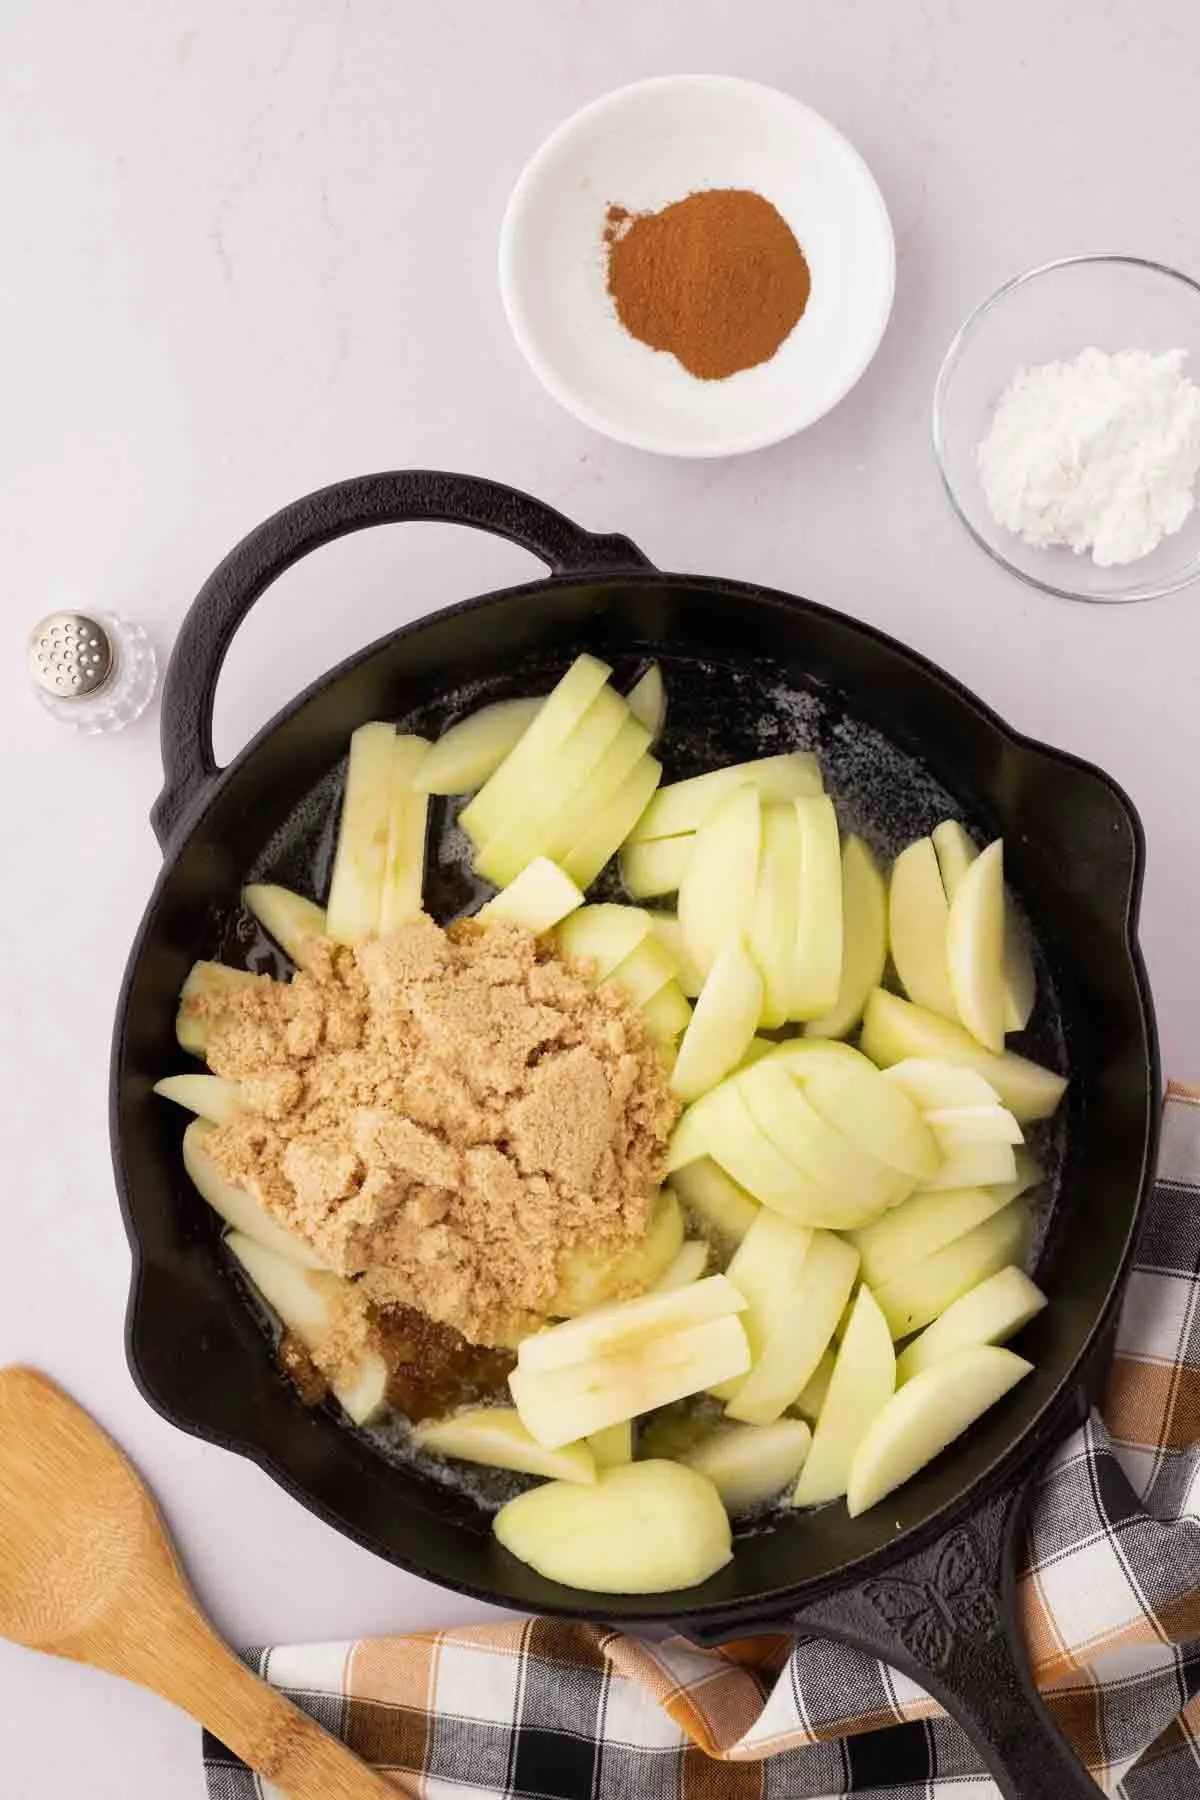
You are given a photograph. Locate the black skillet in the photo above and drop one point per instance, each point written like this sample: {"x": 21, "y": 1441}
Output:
{"x": 925, "y": 1580}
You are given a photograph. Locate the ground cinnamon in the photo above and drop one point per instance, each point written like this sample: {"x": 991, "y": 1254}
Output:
{"x": 717, "y": 279}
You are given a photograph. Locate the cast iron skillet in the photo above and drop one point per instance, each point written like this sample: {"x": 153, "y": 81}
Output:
{"x": 925, "y": 1580}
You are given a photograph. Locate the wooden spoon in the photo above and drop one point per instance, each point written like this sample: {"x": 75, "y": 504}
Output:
{"x": 87, "y": 1572}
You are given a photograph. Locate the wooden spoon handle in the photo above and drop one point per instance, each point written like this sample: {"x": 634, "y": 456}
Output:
{"x": 285, "y": 1746}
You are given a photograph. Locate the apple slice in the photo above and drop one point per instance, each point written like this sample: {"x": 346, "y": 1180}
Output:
{"x": 613, "y": 1446}
{"x": 495, "y": 1436}
{"x": 933, "y": 1086}
{"x": 294, "y": 923}
{"x": 685, "y": 805}
{"x": 558, "y": 1405}
{"x": 539, "y": 898}
{"x": 852, "y": 1096}
{"x": 688, "y": 1141}
{"x": 688, "y": 1267}
{"x": 924, "y": 1223}
{"x": 794, "y": 1326}
{"x": 360, "y": 859}
{"x": 975, "y": 948}
{"x": 773, "y": 920}
{"x": 589, "y": 1277}
{"x": 647, "y": 700}
{"x": 667, "y": 1013}
{"x": 864, "y": 941}
{"x": 975, "y": 1165}
{"x": 310, "y": 1303}
{"x": 408, "y": 829}
{"x": 733, "y": 1137}
{"x": 706, "y": 1190}
{"x": 722, "y": 1023}
{"x": 862, "y": 1383}
{"x": 716, "y": 894}
{"x": 603, "y": 785}
{"x": 817, "y": 971}
{"x": 501, "y": 796}
{"x": 603, "y": 935}
{"x": 205, "y": 982}
{"x": 642, "y": 973}
{"x": 916, "y": 1296}
{"x": 646, "y": 1528}
{"x": 596, "y": 847}
{"x": 238, "y": 1208}
{"x": 472, "y": 749}
{"x": 955, "y": 854}
{"x": 208, "y": 1096}
{"x": 751, "y": 1464}
{"x": 530, "y": 825}
{"x": 956, "y": 1126}
{"x": 895, "y": 1030}
{"x": 988, "y": 1314}
{"x": 925, "y": 1415}
{"x": 766, "y": 1269}
{"x": 665, "y": 927}
{"x": 917, "y": 920}
{"x": 806, "y": 1138}
{"x": 756, "y": 1049}
{"x": 625, "y": 1328}
{"x": 655, "y": 867}
{"x": 809, "y": 1403}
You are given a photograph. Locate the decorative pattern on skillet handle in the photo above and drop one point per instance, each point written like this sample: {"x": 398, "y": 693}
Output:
{"x": 397, "y": 497}
{"x": 946, "y": 1616}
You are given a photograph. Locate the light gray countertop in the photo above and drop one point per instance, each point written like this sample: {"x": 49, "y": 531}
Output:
{"x": 249, "y": 249}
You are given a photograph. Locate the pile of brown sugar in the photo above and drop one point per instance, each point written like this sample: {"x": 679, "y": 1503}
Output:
{"x": 442, "y": 1114}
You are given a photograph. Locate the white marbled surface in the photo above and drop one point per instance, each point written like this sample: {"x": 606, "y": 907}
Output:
{"x": 249, "y": 248}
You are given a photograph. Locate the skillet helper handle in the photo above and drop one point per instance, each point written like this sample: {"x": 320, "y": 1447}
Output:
{"x": 393, "y": 498}
{"x": 946, "y": 1616}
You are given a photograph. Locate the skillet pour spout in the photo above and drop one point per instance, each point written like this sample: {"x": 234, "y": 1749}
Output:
{"x": 924, "y": 1581}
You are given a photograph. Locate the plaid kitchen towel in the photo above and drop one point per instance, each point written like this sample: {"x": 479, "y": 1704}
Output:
{"x": 538, "y": 1709}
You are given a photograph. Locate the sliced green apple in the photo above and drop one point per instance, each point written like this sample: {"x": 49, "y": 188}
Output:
{"x": 817, "y": 971}
{"x": 646, "y": 1528}
{"x": 688, "y": 1266}
{"x": 539, "y": 898}
{"x": 558, "y": 1405}
{"x": 408, "y": 829}
{"x": 933, "y": 1086}
{"x": 915, "y": 1297}
{"x": 603, "y": 935}
{"x": 472, "y": 749}
{"x": 642, "y": 973}
{"x": 495, "y": 1436}
{"x": 665, "y": 927}
{"x": 862, "y": 1383}
{"x": 716, "y": 895}
{"x": 773, "y": 918}
{"x": 732, "y": 1136}
{"x": 707, "y": 1191}
{"x": 685, "y": 805}
{"x": 622, "y": 1328}
{"x": 607, "y": 781}
{"x": 589, "y": 1276}
{"x": 722, "y": 1022}
{"x": 852, "y": 1096}
{"x": 794, "y": 1328}
{"x": 239, "y": 1209}
{"x": 540, "y": 743}
{"x": 831, "y": 1159}
{"x": 596, "y": 846}
{"x": 647, "y": 700}
{"x": 925, "y": 1415}
{"x": 295, "y": 923}
{"x": 988, "y": 1314}
{"x": 956, "y": 1126}
{"x": 922, "y": 1225}
{"x": 955, "y": 854}
{"x": 811, "y": 1399}
{"x": 655, "y": 867}
{"x": 917, "y": 921}
{"x": 360, "y": 859}
{"x": 975, "y": 948}
{"x": 751, "y": 1464}
{"x": 208, "y": 1096}
{"x": 975, "y": 1165}
{"x": 206, "y": 981}
{"x": 667, "y": 1012}
{"x": 864, "y": 941}
{"x": 895, "y": 1030}
{"x": 613, "y": 1446}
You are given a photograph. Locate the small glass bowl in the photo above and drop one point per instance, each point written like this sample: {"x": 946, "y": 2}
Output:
{"x": 1049, "y": 314}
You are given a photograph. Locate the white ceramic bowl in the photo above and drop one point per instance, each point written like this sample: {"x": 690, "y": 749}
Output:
{"x": 1049, "y": 314}
{"x": 641, "y": 148}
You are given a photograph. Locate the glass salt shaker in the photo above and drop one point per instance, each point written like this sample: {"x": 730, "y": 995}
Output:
{"x": 94, "y": 671}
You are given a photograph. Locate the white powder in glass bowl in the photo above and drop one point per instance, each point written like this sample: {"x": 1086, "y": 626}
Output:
{"x": 1101, "y": 453}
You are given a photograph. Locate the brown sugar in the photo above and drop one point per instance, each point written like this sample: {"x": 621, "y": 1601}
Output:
{"x": 442, "y": 1114}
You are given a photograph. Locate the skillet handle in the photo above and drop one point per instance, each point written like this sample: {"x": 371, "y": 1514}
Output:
{"x": 946, "y": 1616}
{"x": 262, "y": 557}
